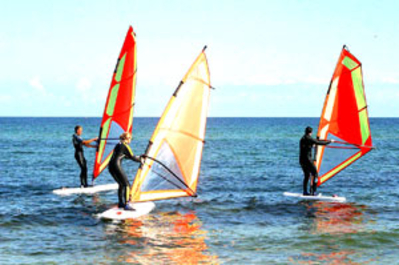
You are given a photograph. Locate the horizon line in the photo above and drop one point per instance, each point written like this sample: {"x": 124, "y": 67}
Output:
{"x": 218, "y": 117}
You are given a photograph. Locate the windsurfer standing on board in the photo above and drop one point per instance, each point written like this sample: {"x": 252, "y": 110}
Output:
{"x": 306, "y": 160}
{"x": 78, "y": 143}
{"x": 121, "y": 151}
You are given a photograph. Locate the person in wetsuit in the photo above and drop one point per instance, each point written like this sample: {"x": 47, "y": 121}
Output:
{"x": 307, "y": 162}
{"x": 78, "y": 143}
{"x": 122, "y": 151}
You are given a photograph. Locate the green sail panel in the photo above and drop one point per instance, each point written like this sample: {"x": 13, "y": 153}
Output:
{"x": 349, "y": 63}
{"x": 112, "y": 100}
{"x": 358, "y": 87}
{"x": 119, "y": 71}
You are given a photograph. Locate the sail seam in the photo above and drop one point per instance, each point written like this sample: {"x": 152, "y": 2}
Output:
{"x": 184, "y": 133}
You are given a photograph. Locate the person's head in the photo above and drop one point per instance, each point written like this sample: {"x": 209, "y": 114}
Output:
{"x": 308, "y": 130}
{"x": 78, "y": 130}
{"x": 125, "y": 137}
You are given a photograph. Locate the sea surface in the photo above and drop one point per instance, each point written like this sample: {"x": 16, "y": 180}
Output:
{"x": 240, "y": 216}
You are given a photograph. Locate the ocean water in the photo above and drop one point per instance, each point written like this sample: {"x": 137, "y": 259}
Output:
{"x": 240, "y": 216}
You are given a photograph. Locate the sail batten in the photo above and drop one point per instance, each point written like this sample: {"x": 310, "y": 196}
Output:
{"x": 344, "y": 118}
{"x": 119, "y": 106}
{"x": 173, "y": 156}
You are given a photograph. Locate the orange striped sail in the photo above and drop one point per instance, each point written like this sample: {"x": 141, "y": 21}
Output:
{"x": 344, "y": 118}
{"x": 173, "y": 156}
{"x": 118, "y": 112}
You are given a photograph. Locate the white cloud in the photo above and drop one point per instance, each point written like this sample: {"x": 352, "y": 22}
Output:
{"x": 36, "y": 83}
{"x": 390, "y": 80}
{"x": 5, "y": 98}
{"x": 86, "y": 91}
{"x": 83, "y": 85}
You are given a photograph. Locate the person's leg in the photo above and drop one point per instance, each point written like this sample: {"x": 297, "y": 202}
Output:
{"x": 313, "y": 182}
{"x": 306, "y": 175}
{"x": 115, "y": 175}
{"x": 121, "y": 201}
{"x": 83, "y": 168}
{"x": 126, "y": 190}
{"x": 83, "y": 175}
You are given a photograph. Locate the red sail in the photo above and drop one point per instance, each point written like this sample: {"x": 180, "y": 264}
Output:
{"x": 118, "y": 112}
{"x": 344, "y": 118}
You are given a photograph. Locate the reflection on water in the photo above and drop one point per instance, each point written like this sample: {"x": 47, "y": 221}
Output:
{"x": 163, "y": 238}
{"x": 336, "y": 218}
{"x": 335, "y": 222}
{"x": 332, "y": 258}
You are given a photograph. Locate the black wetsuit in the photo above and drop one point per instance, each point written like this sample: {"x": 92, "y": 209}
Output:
{"x": 80, "y": 158}
{"x": 307, "y": 162}
{"x": 121, "y": 151}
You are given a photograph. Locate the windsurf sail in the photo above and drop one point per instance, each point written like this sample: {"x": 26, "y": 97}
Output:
{"x": 118, "y": 112}
{"x": 344, "y": 118}
{"x": 173, "y": 155}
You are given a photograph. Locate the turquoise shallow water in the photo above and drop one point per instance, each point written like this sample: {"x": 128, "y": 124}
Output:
{"x": 240, "y": 216}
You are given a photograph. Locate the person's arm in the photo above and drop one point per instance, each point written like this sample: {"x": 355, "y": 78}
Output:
{"x": 130, "y": 154}
{"x": 87, "y": 143}
{"x": 320, "y": 142}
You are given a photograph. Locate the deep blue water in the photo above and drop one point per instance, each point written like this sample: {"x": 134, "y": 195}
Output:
{"x": 240, "y": 216}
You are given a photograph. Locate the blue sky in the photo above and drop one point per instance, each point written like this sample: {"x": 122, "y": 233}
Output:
{"x": 267, "y": 58}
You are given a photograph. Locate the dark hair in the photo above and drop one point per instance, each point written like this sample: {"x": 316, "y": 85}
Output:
{"x": 77, "y": 128}
{"x": 308, "y": 130}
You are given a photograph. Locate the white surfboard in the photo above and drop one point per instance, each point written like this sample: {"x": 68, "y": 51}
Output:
{"x": 318, "y": 197}
{"x": 89, "y": 190}
{"x": 140, "y": 209}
